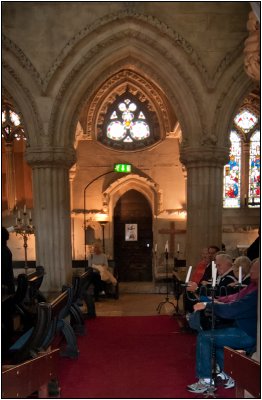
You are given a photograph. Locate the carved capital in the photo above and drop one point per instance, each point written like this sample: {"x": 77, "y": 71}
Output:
{"x": 50, "y": 157}
{"x": 203, "y": 157}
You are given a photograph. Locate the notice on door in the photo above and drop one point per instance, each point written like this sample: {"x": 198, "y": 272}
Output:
{"x": 130, "y": 232}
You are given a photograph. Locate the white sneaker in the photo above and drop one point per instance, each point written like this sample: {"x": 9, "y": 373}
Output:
{"x": 230, "y": 383}
{"x": 202, "y": 386}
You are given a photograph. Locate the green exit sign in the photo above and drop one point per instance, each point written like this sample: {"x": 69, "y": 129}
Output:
{"x": 126, "y": 168}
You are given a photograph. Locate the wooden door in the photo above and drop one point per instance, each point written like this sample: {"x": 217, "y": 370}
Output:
{"x": 133, "y": 253}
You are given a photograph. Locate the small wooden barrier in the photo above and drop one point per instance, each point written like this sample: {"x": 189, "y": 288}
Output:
{"x": 244, "y": 370}
{"x": 20, "y": 381}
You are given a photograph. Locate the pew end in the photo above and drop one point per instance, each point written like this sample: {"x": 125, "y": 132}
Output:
{"x": 244, "y": 370}
{"x": 20, "y": 381}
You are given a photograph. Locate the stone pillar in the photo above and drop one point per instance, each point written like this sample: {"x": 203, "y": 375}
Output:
{"x": 51, "y": 195}
{"x": 10, "y": 175}
{"x": 245, "y": 174}
{"x": 204, "y": 198}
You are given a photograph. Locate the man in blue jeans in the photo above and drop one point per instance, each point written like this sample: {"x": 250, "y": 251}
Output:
{"x": 242, "y": 335}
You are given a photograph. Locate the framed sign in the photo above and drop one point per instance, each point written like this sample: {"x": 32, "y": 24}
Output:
{"x": 130, "y": 232}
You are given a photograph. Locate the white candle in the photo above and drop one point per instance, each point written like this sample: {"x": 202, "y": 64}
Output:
{"x": 19, "y": 214}
{"x": 25, "y": 209}
{"x": 166, "y": 247}
{"x": 214, "y": 277}
{"x": 213, "y": 268}
{"x": 178, "y": 247}
{"x": 240, "y": 275}
{"x": 188, "y": 274}
{"x": 155, "y": 247}
{"x": 30, "y": 215}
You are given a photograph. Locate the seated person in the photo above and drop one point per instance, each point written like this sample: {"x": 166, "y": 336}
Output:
{"x": 98, "y": 262}
{"x": 240, "y": 336}
{"x": 201, "y": 266}
{"x": 225, "y": 279}
{"x": 245, "y": 290}
{"x": 245, "y": 263}
{"x": 203, "y": 280}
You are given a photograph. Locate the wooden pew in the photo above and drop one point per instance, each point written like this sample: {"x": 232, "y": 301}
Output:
{"x": 28, "y": 295}
{"x": 245, "y": 371}
{"x": 20, "y": 381}
{"x": 51, "y": 323}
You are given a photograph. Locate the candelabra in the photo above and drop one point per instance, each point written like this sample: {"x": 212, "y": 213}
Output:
{"x": 167, "y": 301}
{"x": 24, "y": 227}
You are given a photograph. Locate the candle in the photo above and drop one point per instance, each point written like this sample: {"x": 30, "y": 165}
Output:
{"x": 188, "y": 274}
{"x": 214, "y": 277}
{"x": 213, "y": 268}
{"x": 155, "y": 247}
{"x": 166, "y": 247}
{"x": 18, "y": 214}
{"x": 178, "y": 247}
{"x": 30, "y": 215}
{"x": 25, "y": 209}
{"x": 16, "y": 221}
{"x": 240, "y": 275}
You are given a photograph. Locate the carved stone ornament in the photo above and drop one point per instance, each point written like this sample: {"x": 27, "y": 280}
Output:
{"x": 50, "y": 157}
{"x": 252, "y": 48}
{"x": 209, "y": 156}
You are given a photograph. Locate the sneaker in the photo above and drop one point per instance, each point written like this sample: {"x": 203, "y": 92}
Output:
{"x": 222, "y": 377}
{"x": 201, "y": 386}
{"x": 229, "y": 384}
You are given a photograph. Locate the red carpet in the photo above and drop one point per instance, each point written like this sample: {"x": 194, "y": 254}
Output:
{"x": 132, "y": 357}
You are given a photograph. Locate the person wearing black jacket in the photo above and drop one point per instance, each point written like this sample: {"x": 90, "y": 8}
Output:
{"x": 7, "y": 274}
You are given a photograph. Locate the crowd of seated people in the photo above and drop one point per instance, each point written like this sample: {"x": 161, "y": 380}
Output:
{"x": 240, "y": 310}
{"x": 225, "y": 284}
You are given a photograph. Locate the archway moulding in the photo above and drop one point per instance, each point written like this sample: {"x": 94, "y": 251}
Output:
{"x": 142, "y": 184}
{"x": 102, "y": 25}
{"x": 24, "y": 104}
{"x": 115, "y": 86}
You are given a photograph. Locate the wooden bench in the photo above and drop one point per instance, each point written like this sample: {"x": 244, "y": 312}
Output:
{"x": 81, "y": 290}
{"x": 50, "y": 325}
{"x": 20, "y": 381}
{"x": 28, "y": 295}
{"x": 245, "y": 371}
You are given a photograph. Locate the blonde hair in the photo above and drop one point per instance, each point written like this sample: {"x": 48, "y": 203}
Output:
{"x": 244, "y": 262}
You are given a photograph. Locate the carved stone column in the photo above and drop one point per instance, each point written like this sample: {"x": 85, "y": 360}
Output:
{"x": 204, "y": 198}
{"x": 51, "y": 195}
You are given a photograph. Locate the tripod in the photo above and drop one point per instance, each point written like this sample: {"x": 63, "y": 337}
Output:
{"x": 167, "y": 301}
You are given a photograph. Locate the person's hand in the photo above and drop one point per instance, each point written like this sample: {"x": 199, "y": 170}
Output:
{"x": 199, "y": 306}
{"x": 191, "y": 286}
{"x": 205, "y": 283}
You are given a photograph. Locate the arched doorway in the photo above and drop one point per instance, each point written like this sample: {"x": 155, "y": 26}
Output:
{"x": 133, "y": 237}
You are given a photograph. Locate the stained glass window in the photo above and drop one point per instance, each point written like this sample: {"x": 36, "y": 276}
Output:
{"x": 232, "y": 173}
{"x": 254, "y": 171}
{"x": 11, "y": 125}
{"x": 245, "y": 120}
{"x": 130, "y": 123}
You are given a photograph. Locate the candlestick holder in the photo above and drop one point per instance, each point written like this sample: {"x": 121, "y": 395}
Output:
{"x": 24, "y": 227}
{"x": 167, "y": 301}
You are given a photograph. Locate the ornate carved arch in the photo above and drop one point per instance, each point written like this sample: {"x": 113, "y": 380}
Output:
{"x": 116, "y": 85}
{"x": 133, "y": 181}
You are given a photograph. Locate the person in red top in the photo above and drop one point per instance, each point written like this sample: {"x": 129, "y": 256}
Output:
{"x": 201, "y": 266}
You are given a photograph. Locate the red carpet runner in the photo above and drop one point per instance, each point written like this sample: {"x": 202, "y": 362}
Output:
{"x": 131, "y": 357}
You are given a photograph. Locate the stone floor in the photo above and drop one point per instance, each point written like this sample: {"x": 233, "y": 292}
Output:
{"x": 137, "y": 298}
